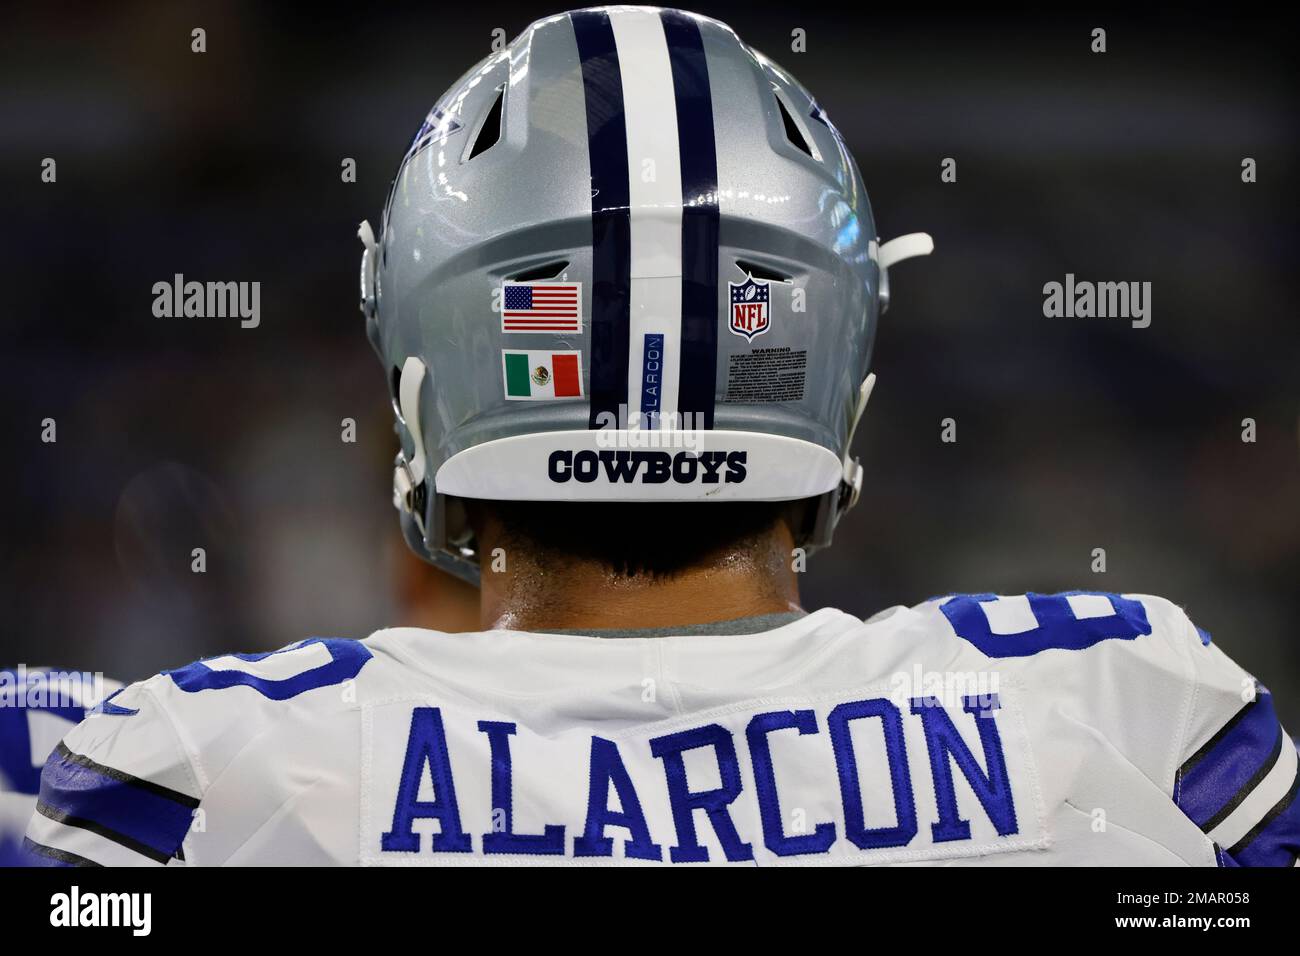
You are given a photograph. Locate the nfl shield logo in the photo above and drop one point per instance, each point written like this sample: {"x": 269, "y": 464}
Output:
{"x": 749, "y": 307}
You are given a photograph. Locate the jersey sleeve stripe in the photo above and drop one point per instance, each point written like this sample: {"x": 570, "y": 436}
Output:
{"x": 145, "y": 786}
{"x": 1206, "y": 748}
{"x": 137, "y": 814}
{"x": 1262, "y": 798}
{"x": 40, "y": 855}
{"x": 1267, "y": 767}
{"x": 1275, "y": 840}
{"x": 68, "y": 820}
{"x": 1223, "y": 772}
{"x": 88, "y": 844}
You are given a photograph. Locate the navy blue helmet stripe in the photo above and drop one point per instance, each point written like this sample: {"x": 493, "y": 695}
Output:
{"x": 699, "y": 164}
{"x": 611, "y": 223}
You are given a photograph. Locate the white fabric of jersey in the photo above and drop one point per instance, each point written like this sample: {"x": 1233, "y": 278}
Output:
{"x": 825, "y": 741}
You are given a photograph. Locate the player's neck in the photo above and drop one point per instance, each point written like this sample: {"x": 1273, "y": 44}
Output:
{"x": 747, "y": 581}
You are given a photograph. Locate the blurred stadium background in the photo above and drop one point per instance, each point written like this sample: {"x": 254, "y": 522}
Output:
{"x": 1073, "y": 434}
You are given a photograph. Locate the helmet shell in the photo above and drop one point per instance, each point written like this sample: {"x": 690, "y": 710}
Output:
{"x": 701, "y": 211}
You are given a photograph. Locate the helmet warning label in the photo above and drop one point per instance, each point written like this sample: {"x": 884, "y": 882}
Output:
{"x": 767, "y": 375}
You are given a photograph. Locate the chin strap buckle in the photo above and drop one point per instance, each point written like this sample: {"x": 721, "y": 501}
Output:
{"x": 851, "y": 478}
{"x": 852, "y": 470}
{"x": 852, "y": 484}
{"x": 406, "y": 492}
{"x": 403, "y": 486}
{"x": 409, "y": 474}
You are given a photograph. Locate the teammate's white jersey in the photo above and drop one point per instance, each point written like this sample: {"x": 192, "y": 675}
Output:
{"x": 38, "y": 705}
{"x": 1041, "y": 729}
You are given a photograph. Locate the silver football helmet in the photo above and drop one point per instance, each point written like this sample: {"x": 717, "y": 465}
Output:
{"x": 626, "y": 258}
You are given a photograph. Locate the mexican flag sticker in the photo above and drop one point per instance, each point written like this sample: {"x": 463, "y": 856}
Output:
{"x": 534, "y": 376}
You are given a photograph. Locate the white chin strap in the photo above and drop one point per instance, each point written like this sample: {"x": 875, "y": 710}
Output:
{"x": 904, "y": 247}
{"x": 896, "y": 250}
{"x": 852, "y": 468}
{"x": 887, "y": 254}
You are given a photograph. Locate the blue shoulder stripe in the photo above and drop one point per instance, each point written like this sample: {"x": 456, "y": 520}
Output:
{"x": 1275, "y": 840}
{"x": 1231, "y": 764}
{"x": 150, "y": 819}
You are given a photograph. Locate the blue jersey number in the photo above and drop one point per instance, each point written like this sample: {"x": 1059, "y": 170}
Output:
{"x": 343, "y": 661}
{"x": 1057, "y": 624}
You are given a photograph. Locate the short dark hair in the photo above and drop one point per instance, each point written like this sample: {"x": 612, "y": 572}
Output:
{"x": 632, "y": 538}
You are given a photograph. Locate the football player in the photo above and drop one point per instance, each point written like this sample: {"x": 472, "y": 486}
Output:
{"x": 624, "y": 292}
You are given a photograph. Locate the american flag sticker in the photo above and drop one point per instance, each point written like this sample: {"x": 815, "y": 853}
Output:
{"x": 553, "y": 307}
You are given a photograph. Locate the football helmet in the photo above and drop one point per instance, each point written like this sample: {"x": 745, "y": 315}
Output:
{"x": 625, "y": 258}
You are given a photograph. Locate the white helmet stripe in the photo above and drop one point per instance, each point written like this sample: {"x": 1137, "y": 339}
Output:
{"x": 655, "y": 191}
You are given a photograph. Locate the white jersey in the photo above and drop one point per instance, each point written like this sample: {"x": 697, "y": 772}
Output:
{"x": 1080, "y": 728}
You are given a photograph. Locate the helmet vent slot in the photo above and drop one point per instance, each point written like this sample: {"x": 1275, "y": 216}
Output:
{"x": 793, "y": 131}
{"x": 551, "y": 270}
{"x": 761, "y": 271}
{"x": 489, "y": 131}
